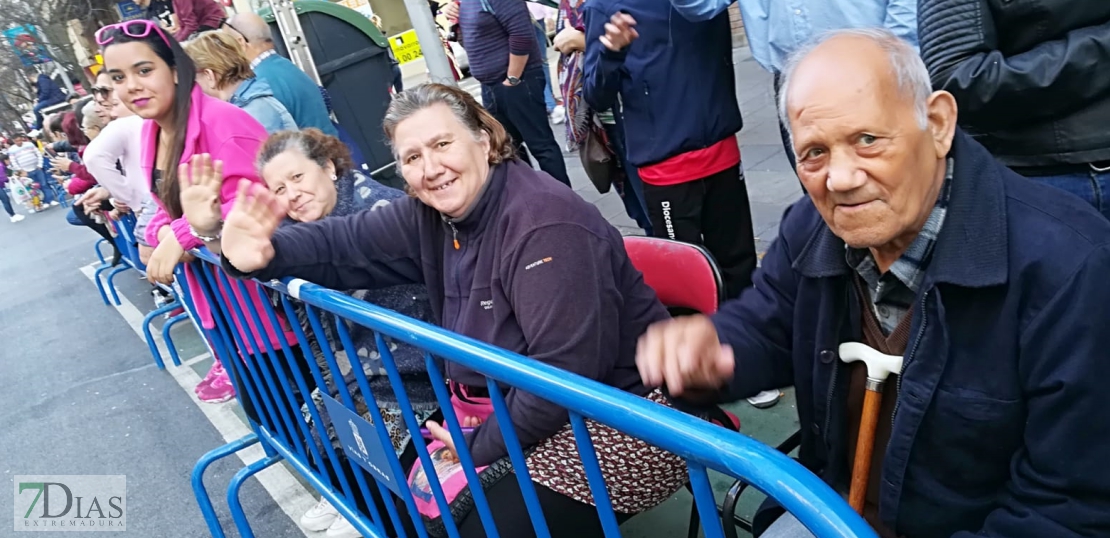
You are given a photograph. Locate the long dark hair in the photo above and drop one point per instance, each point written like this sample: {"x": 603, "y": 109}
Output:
{"x": 169, "y": 50}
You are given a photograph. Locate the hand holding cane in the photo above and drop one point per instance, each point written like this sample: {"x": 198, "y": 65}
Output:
{"x": 879, "y": 367}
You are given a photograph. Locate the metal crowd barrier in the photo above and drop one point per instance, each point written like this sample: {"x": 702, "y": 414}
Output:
{"x": 275, "y": 387}
{"x": 125, "y": 241}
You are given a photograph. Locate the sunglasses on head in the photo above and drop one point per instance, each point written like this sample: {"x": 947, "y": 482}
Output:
{"x": 101, "y": 91}
{"x": 137, "y": 29}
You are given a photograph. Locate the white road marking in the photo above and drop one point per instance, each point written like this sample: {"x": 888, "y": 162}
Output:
{"x": 196, "y": 359}
{"x": 289, "y": 494}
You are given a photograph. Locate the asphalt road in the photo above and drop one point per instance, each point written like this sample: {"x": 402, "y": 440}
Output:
{"x": 81, "y": 394}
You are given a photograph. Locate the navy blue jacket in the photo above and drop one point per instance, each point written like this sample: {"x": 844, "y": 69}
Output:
{"x": 1002, "y": 427}
{"x": 539, "y": 271}
{"x": 675, "y": 81}
{"x": 48, "y": 93}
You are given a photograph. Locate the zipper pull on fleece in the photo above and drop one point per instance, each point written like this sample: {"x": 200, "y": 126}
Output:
{"x": 454, "y": 235}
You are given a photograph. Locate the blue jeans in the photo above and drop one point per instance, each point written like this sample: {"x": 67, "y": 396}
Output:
{"x": 520, "y": 110}
{"x": 46, "y": 184}
{"x": 6, "y": 202}
{"x": 71, "y": 218}
{"x": 1092, "y": 186}
{"x": 541, "y": 39}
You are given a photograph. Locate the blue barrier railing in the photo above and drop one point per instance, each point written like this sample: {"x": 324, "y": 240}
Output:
{"x": 126, "y": 242}
{"x": 275, "y": 374}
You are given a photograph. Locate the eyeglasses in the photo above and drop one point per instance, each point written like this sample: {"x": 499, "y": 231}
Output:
{"x": 137, "y": 29}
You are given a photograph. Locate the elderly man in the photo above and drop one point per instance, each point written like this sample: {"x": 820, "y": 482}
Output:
{"x": 291, "y": 86}
{"x": 916, "y": 242}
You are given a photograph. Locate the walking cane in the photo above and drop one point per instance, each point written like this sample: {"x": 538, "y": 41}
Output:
{"x": 879, "y": 367}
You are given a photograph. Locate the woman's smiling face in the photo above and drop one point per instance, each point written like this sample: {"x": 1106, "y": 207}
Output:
{"x": 442, "y": 161}
{"x": 143, "y": 81}
{"x": 306, "y": 187}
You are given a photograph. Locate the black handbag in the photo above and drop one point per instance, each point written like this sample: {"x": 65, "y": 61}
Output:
{"x": 598, "y": 160}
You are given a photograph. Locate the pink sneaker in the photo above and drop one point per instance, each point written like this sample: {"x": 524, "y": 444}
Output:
{"x": 218, "y": 390}
{"x": 216, "y": 370}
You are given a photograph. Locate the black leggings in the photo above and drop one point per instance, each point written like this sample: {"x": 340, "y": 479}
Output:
{"x": 87, "y": 220}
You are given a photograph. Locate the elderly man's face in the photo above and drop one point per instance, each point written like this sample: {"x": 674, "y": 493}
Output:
{"x": 870, "y": 168}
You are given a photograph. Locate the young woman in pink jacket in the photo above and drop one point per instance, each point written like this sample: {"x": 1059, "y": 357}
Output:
{"x": 155, "y": 78}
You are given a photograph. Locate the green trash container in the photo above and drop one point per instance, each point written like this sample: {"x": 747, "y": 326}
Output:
{"x": 354, "y": 66}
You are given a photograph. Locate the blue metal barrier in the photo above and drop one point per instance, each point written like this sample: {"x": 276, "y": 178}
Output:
{"x": 270, "y": 380}
{"x": 126, "y": 243}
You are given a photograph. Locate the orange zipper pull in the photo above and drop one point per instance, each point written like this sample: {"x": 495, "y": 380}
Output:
{"x": 454, "y": 235}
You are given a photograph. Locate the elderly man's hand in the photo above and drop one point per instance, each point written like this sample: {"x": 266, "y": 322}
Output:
{"x": 620, "y": 32}
{"x": 685, "y": 354}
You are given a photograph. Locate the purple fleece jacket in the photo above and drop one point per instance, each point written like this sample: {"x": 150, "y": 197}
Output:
{"x": 539, "y": 272}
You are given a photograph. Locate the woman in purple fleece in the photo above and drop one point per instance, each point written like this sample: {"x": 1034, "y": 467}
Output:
{"x": 510, "y": 257}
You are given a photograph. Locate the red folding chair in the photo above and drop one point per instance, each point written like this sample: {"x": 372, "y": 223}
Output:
{"x": 685, "y": 277}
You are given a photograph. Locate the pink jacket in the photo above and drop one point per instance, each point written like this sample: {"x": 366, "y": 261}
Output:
{"x": 228, "y": 134}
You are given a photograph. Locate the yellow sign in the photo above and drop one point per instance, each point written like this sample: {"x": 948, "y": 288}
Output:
{"x": 405, "y": 47}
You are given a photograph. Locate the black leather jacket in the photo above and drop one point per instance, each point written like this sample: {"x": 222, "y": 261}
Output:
{"x": 1032, "y": 77}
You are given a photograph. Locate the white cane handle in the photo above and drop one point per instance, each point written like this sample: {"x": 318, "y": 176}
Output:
{"x": 879, "y": 365}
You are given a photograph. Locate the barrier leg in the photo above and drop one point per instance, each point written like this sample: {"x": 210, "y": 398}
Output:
{"x": 99, "y": 254}
{"x": 201, "y": 493}
{"x": 695, "y": 521}
{"x": 233, "y": 503}
{"x": 100, "y": 283}
{"x": 169, "y": 340}
{"x": 150, "y": 338}
{"x": 111, "y": 285}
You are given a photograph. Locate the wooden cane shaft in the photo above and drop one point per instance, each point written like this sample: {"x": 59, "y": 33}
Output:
{"x": 865, "y": 445}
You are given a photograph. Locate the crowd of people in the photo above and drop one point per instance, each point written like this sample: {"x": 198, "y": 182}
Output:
{"x": 955, "y": 213}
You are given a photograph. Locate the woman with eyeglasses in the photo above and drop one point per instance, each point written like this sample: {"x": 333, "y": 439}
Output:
{"x": 156, "y": 79}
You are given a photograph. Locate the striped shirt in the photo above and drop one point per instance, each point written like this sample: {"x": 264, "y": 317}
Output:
{"x": 894, "y": 292}
{"x": 493, "y": 29}
{"x": 25, "y": 157}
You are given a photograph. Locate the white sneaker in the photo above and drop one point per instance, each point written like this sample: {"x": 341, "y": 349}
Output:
{"x": 342, "y": 529}
{"x": 17, "y": 217}
{"x": 765, "y": 399}
{"x": 54, "y": 203}
{"x": 558, "y": 115}
{"x": 319, "y": 517}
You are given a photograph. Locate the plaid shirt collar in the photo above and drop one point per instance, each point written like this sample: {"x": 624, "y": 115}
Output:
{"x": 909, "y": 269}
{"x": 263, "y": 56}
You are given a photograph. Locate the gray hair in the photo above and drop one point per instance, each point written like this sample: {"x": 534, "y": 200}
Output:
{"x": 909, "y": 70}
{"x": 90, "y": 118}
{"x": 465, "y": 109}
